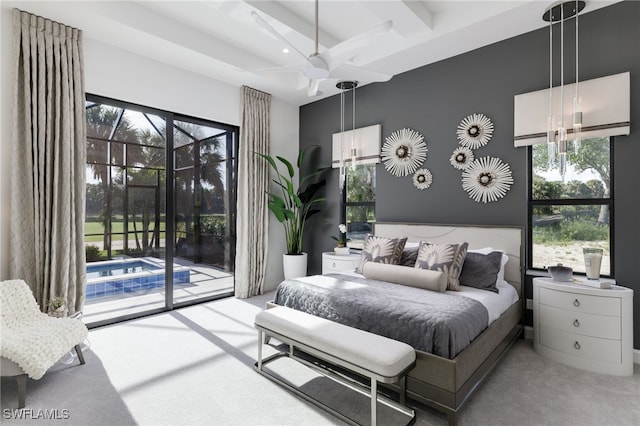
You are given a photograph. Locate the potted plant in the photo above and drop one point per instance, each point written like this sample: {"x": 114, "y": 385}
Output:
{"x": 341, "y": 240}
{"x": 294, "y": 205}
{"x": 58, "y": 307}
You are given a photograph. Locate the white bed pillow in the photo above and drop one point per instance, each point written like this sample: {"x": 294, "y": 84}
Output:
{"x": 487, "y": 250}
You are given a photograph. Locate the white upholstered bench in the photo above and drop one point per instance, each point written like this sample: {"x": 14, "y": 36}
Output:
{"x": 379, "y": 358}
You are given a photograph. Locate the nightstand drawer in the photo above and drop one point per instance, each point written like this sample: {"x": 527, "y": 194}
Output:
{"x": 581, "y": 346}
{"x": 581, "y": 302}
{"x": 335, "y": 265}
{"x": 580, "y": 323}
{"x": 332, "y": 263}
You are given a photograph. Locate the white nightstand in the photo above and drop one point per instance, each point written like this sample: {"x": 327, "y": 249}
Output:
{"x": 333, "y": 263}
{"x": 584, "y": 327}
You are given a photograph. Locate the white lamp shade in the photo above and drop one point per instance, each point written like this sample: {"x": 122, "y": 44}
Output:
{"x": 604, "y": 103}
{"x": 366, "y": 144}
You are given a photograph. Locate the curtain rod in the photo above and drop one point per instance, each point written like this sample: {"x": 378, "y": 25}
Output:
{"x": 46, "y": 19}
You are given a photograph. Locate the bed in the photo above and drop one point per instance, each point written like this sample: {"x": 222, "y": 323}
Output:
{"x": 444, "y": 377}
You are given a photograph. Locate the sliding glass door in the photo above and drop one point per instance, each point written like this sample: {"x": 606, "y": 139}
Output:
{"x": 204, "y": 190}
{"x": 160, "y": 210}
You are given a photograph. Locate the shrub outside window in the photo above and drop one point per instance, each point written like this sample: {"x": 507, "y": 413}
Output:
{"x": 567, "y": 215}
{"x": 360, "y": 203}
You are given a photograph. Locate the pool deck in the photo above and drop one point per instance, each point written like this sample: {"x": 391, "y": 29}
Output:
{"x": 205, "y": 282}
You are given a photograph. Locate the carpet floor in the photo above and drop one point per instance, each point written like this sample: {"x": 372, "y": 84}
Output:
{"x": 194, "y": 366}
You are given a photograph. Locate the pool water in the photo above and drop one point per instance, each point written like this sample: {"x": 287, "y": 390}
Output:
{"x": 114, "y": 277}
{"x": 110, "y": 270}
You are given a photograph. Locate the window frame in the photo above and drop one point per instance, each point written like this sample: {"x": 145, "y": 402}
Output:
{"x": 531, "y": 204}
{"x": 344, "y": 204}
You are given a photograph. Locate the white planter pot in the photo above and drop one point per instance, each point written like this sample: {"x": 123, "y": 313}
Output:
{"x": 342, "y": 251}
{"x": 294, "y": 265}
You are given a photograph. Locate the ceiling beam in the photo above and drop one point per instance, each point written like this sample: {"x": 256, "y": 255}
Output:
{"x": 302, "y": 26}
{"x": 420, "y": 10}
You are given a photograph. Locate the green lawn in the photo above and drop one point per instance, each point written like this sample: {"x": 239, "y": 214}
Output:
{"x": 116, "y": 228}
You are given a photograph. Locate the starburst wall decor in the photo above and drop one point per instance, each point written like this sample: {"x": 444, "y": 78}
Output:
{"x": 422, "y": 179}
{"x": 461, "y": 158}
{"x": 403, "y": 152}
{"x": 475, "y": 131}
{"x": 487, "y": 179}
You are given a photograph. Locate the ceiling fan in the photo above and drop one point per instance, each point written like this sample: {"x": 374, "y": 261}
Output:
{"x": 333, "y": 62}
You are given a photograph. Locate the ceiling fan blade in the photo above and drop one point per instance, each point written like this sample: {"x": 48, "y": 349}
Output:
{"x": 359, "y": 74}
{"x": 275, "y": 32}
{"x": 312, "y": 88}
{"x": 277, "y": 68}
{"x": 346, "y": 50}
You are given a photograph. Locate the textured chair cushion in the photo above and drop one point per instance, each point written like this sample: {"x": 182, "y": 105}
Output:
{"x": 30, "y": 338}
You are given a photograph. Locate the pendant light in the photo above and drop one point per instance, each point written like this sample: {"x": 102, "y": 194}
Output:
{"x": 344, "y": 86}
{"x": 577, "y": 113}
{"x": 557, "y": 136}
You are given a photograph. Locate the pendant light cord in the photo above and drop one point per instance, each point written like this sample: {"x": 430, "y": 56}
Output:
{"x": 577, "y": 97}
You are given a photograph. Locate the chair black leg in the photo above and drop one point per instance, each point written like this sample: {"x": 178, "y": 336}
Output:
{"x": 79, "y": 352}
{"x": 21, "y": 380}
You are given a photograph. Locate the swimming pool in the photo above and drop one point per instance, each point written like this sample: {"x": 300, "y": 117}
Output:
{"x": 113, "y": 277}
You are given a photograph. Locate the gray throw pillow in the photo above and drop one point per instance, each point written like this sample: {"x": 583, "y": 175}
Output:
{"x": 409, "y": 256}
{"x": 447, "y": 258}
{"x": 481, "y": 270}
{"x": 381, "y": 250}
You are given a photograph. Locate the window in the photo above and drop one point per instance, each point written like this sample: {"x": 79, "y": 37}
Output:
{"x": 360, "y": 203}
{"x": 567, "y": 215}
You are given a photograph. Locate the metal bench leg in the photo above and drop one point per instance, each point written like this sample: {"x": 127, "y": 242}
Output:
{"x": 374, "y": 401}
{"x": 21, "y": 380}
{"x": 403, "y": 390}
{"x": 79, "y": 352}
{"x": 260, "y": 349}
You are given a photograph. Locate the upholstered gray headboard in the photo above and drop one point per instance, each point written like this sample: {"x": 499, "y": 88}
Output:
{"x": 506, "y": 238}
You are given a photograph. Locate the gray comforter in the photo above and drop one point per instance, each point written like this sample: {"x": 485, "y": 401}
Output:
{"x": 439, "y": 323}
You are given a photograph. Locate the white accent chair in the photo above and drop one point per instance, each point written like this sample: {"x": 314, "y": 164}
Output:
{"x": 31, "y": 340}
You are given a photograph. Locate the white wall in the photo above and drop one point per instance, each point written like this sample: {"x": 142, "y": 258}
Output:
{"x": 119, "y": 74}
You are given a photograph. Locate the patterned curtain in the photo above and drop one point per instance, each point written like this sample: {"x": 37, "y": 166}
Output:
{"x": 48, "y": 160}
{"x": 253, "y": 181}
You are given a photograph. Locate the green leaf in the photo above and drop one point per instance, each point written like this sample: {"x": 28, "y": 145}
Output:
{"x": 288, "y": 164}
{"x": 310, "y": 190}
{"x": 269, "y": 159}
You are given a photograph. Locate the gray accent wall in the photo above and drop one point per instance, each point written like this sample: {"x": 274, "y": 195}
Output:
{"x": 435, "y": 98}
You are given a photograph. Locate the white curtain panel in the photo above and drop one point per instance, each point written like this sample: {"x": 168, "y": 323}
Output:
{"x": 48, "y": 160}
{"x": 253, "y": 181}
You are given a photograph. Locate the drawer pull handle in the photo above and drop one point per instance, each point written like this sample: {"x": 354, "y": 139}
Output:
{"x": 576, "y": 303}
{"x": 576, "y": 323}
{"x": 334, "y": 264}
{"x": 576, "y": 345}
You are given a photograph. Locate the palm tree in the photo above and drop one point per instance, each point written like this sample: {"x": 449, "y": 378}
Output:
{"x": 102, "y": 123}
{"x": 110, "y": 132}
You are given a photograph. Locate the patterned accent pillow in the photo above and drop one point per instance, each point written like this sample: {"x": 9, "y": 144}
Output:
{"x": 381, "y": 250}
{"x": 447, "y": 258}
